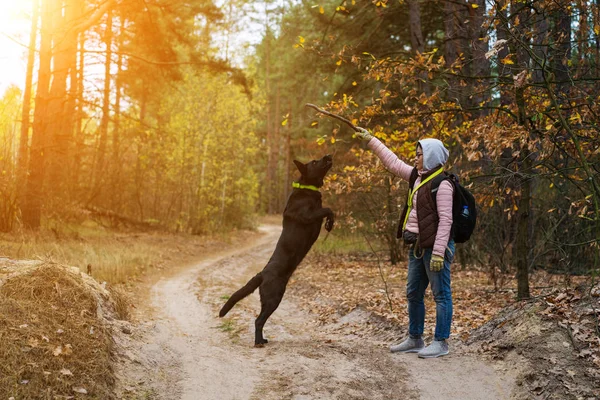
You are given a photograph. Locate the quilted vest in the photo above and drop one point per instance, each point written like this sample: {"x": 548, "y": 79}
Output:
{"x": 427, "y": 216}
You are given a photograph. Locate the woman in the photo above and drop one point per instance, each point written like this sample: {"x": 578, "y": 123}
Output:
{"x": 427, "y": 225}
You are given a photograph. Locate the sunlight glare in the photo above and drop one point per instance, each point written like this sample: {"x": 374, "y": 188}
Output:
{"x": 15, "y": 24}
{"x": 14, "y": 13}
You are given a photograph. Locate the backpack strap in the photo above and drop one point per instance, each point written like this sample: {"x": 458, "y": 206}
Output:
{"x": 413, "y": 178}
{"x": 435, "y": 185}
{"x": 437, "y": 181}
{"x": 411, "y": 184}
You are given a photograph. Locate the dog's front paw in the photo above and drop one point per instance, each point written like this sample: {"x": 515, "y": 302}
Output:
{"x": 329, "y": 224}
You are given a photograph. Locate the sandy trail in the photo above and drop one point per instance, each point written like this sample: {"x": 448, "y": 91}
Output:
{"x": 187, "y": 352}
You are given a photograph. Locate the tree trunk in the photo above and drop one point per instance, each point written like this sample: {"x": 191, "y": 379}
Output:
{"x": 596, "y": 19}
{"x": 25, "y": 116}
{"x": 540, "y": 45}
{"x": 416, "y": 40}
{"x": 453, "y": 18}
{"x": 99, "y": 167}
{"x": 414, "y": 20}
{"x": 523, "y": 33}
{"x": 481, "y": 65}
{"x": 270, "y": 173}
{"x": 524, "y": 213}
{"x": 561, "y": 52}
{"x": 450, "y": 32}
{"x": 523, "y": 234}
{"x": 63, "y": 60}
{"x": 73, "y": 112}
{"x": 503, "y": 69}
{"x": 275, "y": 151}
{"x": 78, "y": 134}
{"x": 116, "y": 142}
{"x": 583, "y": 34}
{"x": 32, "y": 205}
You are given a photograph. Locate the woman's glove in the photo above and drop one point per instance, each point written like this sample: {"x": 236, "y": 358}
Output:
{"x": 436, "y": 263}
{"x": 363, "y": 133}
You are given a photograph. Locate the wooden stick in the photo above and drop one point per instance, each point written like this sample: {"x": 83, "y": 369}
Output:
{"x": 333, "y": 116}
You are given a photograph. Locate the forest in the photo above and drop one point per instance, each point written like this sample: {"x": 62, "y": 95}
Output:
{"x": 147, "y": 153}
{"x": 152, "y": 114}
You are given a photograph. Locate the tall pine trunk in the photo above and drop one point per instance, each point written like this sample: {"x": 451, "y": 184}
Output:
{"x": 100, "y": 160}
{"x": 540, "y": 45}
{"x": 78, "y": 138}
{"x": 270, "y": 173}
{"x": 63, "y": 60}
{"x": 23, "y": 157}
{"x": 450, "y": 44}
{"x": 481, "y": 65}
{"x": 32, "y": 206}
{"x": 561, "y": 52}
{"x": 116, "y": 137}
{"x": 287, "y": 151}
{"x": 523, "y": 239}
{"x": 276, "y": 150}
{"x": 503, "y": 69}
{"x": 416, "y": 39}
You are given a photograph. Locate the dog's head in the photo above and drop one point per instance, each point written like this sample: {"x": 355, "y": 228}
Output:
{"x": 314, "y": 171}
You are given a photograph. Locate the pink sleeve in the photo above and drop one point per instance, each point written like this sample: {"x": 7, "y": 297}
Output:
{"x": 444, "y": 209}
{"x": 391, "y": 161}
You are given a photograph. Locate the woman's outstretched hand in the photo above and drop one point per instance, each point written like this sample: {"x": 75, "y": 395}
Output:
{"x": 362, "y": 133}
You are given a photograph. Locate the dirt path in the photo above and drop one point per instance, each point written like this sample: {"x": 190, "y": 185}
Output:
{"x": 187, "y": 352}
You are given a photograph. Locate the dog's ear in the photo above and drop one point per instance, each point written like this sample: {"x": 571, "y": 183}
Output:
{"x": 301, "y": 167}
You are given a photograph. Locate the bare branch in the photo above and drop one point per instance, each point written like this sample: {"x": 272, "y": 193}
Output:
{"x": 333, "y": 116}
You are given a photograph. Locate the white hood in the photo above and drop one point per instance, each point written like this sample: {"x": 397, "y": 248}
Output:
{"x": 434, "y": 153}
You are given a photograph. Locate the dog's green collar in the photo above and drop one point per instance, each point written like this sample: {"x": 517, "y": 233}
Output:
{"x": 309, "y": 187}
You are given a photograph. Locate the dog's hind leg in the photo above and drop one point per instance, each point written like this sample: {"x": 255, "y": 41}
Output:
{"x": 271, "y": 294}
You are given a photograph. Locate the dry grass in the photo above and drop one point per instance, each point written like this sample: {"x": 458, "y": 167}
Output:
{"x": 113, "y": 256}
{"x": 54, "y": 345}
{"x": 54, "y": 340}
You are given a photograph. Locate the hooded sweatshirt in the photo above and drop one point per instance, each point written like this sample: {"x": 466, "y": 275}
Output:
{"x": 435, "y": 155}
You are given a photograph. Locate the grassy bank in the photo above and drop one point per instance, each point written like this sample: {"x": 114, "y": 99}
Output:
{"x": 109, "y": 255}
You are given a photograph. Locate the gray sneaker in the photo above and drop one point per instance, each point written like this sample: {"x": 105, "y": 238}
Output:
{"x": 437, "y": 348}
{"x": 409, "y": 345}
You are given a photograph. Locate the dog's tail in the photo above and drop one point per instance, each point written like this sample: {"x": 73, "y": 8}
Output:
{"x": 240, "y": 294}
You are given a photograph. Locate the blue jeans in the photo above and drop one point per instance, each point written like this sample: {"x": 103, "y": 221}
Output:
{"x": 419, "y": 277}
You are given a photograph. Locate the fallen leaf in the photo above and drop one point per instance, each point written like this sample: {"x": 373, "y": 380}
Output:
{"x": 65, "y": 371}
{"x": 79, "y": 390}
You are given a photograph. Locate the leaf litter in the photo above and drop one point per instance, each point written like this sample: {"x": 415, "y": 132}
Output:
{"x": 554, "y": 336}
